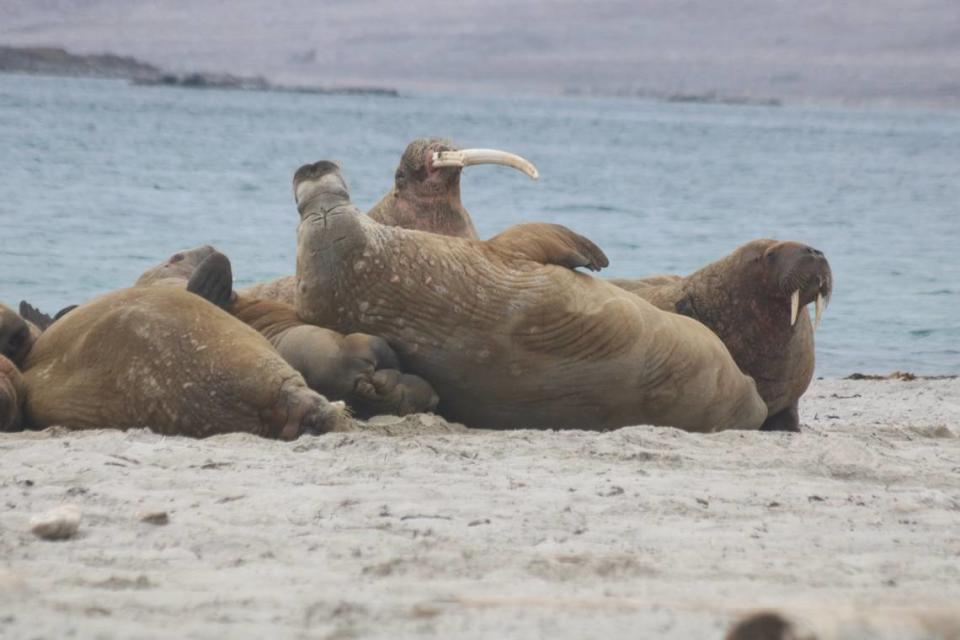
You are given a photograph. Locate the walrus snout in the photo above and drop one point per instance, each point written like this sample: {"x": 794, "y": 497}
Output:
{"x": 802, "y": 274}
{"x": 427, "y": 158}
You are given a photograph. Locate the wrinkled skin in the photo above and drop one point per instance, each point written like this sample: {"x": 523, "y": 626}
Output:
{"x": 163, "y": 358}
{"x": 357, "y": 368}
{"x": 505, "y": 330}
{"x": 423, "y": 197}
{"x": 745, "y": 299}
{"x": 11, "y": 395}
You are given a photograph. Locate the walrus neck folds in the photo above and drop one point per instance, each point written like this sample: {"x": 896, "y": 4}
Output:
{"x": 441, "y": 212}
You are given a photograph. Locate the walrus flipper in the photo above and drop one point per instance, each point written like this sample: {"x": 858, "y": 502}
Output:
{"x": 551, "y": 244}
{"x": 213, "y": 280}
{"x": 31, "y": 314}
{"x": 67, "y": 309}
{"x": 392, "y": 392}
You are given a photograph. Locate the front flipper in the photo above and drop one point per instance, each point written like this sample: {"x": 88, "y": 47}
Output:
{"x": 550, "y": 244}
{"x": 213, "y": 280}
{"x": 785, "y": 420}
{"x": 390, "y": 392}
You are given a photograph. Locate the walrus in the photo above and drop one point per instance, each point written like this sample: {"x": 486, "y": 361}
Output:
{"x": 11, "y": 395}
{"x": 755, "y": 300}
{"x": 16, "y": 335}
{"x": 164, "y": 358}
{"x": 426, "y": 189}
{"x": 425, "y": 196}
{"x": 767, "y": 625}
{"x": 360, "y": 369}
{"x": 506, "y": 330}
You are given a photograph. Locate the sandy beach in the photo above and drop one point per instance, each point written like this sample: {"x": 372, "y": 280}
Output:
{"x": 416, "y": 527}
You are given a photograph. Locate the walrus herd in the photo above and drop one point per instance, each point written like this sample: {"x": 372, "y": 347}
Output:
{"x": 405, "y": 309}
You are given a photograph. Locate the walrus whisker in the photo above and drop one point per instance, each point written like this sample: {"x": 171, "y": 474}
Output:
{"x": 468, "y": 157}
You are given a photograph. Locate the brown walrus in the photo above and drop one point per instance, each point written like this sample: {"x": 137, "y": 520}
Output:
{"x": 506, "y": 331}
{"x": 164, "y": 358}
{"x": 11, "y": 395}
{"x": 426, "y": 190}
{"x": 360, "y": 369}
{"x": 425, "y": 196}
{"x": 16, "y": 335}
{"x": 755, "y": 300}
{"x": 781, "y": 359}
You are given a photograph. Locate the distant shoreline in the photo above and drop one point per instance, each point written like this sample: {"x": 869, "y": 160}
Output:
{"x": 53, "y": 61}
{"x": 56, "y": 61}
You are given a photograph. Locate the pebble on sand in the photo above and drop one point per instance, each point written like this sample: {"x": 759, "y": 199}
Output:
{"x": 58, "y": 523}
{"x": 154, "y": 517}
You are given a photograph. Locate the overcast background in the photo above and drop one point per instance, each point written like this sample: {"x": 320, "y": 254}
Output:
{"x": 853, "y": 52}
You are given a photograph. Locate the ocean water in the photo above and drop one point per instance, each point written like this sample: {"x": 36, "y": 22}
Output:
{"x": 100, "y": 179}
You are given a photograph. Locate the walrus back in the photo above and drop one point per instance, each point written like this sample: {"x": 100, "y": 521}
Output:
{"x": 156, "y": 357}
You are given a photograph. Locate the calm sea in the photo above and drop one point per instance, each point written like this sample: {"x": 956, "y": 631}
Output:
{"x": 100, "y": 179}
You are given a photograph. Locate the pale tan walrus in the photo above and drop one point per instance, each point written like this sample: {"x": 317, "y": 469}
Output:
{"x": 164, "y": 358}
{"x": 506, "y": 331}
{"x": 359, "y": 369}
{"x": 425, "y": 196}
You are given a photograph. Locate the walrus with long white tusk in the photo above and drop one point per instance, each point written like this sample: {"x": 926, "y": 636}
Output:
{"x": 425, "y": 196}
{"x": 755, "y": 299}
{"x": 426, "y": 191}
{"x": 506, "y": 330}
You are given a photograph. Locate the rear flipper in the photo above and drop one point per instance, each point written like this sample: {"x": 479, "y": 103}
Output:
{"x": 31, "y": 314}
{"x": 390, "y": 392}
{"x": 38, "y": 318}
{"x": 550, "y": 244}
{"x": 786, "y": 420}
{"x": 213, "y": 280}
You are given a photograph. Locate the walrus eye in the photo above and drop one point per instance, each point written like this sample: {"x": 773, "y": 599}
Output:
{"x": 176, "y": 258}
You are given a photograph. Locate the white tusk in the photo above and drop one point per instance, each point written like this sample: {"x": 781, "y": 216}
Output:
{"x": 794, "y": 307}
{"x": 467, "y": 157}
{"x": 816, "y": 323}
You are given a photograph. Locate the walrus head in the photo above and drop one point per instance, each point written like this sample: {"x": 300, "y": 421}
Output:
{"x": 16, "y": 339}
{"x": 791, "y": 272}
{"x": 426, "y": 192}
{"x": 432, "y": 166}
{"x": 319, "y": 185}
{"x": 801, "y": 273}
{"x": 179, "y": 266}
